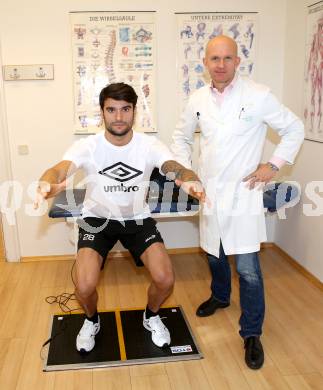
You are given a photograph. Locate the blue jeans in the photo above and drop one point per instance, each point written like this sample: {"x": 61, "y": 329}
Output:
{"x": 252, "y": 300}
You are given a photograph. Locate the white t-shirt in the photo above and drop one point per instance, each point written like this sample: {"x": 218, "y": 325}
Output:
{"x": 117, "y": 177}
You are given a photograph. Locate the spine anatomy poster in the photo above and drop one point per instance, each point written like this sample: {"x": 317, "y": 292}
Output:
{"x": 111, "y": 47}
{"x": 194, "y": 30}
{"x": 313, "y": 73}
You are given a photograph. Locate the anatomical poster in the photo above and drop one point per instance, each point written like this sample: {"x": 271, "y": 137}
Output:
{"x": 110, "y": 47}
{"x": 313, "y": 80}
{"x": 194, "y": 30}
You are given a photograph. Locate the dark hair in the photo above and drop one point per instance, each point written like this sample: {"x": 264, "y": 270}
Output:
{"x": 118, "y": 91}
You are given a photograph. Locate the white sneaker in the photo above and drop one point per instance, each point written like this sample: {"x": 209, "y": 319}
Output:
{"x": 85, "y": 340}
{"x": 159, "y": 333}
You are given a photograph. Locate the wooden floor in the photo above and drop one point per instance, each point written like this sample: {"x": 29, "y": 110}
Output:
{"x": 293, "y": 331}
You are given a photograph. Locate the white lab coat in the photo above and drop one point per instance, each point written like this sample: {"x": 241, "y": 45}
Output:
{"x": 231, "y": 144}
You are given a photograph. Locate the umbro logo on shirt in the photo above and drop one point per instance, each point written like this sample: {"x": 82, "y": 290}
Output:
{"x": 120, "y": 172}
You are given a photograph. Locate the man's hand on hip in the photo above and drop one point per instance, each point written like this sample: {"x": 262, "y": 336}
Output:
{"x": 261, "y": 176}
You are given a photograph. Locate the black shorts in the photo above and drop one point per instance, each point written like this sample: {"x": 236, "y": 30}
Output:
{"x": 101, "y": 235}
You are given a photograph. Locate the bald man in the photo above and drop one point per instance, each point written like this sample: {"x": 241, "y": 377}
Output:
{"x": 233, "y": 113}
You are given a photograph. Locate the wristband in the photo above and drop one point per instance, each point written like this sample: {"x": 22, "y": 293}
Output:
{"x": 273, "y": 167}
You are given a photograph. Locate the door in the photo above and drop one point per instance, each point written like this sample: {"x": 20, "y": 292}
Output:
{"x": 2, "y": 250}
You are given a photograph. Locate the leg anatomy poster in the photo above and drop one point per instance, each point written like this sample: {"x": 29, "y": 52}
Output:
{"x": 313, "y": 73}
{"x": 194, "y": 30}
{"x": 111, "y": 47}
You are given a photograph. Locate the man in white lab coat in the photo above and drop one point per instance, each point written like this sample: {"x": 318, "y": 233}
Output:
{"x": 233, "y": 113}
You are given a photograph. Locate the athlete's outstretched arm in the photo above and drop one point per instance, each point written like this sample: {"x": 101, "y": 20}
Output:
{"x": 185, "y": 178}
{"x": 53, "y": 181}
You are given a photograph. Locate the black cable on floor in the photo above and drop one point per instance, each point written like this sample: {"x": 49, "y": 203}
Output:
{"x": 62, "y": 301}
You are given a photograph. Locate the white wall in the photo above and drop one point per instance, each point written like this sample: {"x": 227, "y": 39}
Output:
{"x": 301, "y": 236}
{"x": 40, "y": 114}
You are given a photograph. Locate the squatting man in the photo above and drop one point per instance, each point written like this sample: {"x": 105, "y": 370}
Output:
{"x": 118, "y": 163}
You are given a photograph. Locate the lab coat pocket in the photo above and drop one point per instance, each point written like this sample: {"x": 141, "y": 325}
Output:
{"x": 245, "y": 123}
{"x": 248, "y": 202}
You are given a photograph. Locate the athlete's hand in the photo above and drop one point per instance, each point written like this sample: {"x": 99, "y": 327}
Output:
{"x": 193, "y": 188}
{"x": 185, "y": 178}
{"x": 46, "y": 190}
{"x": 191, "y": 184}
